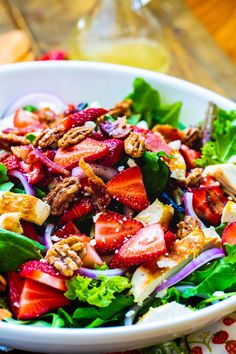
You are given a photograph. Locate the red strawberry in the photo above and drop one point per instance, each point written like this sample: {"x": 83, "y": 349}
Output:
{"x": 112, "y": 229}
{"x": 89, "y": 149}
{"x": 43, "y": 273}
{"x": 23, "y": 119}
{"x": 190, "y": 156}
{"x": 81, "y": 117}
{"x": 209, "y": 181}
{"x": 37, "y": 299}
{"x": 140, "y": 130}
{"x": 35, "y": 172}
{"x": 115, "y": 152}
{"x": 220, "y": 337}
{"x": 15, "y": 286}
{"x": 29, "y": 230}
{"x": 67, "y": 230}
{"x": 155, "y": 142}
{"x": 98, "y": 136}
{"x": 79, "y": 209}
{"x": 196, "y": 350}
{"x": 228, "y": 321}
{"x": 230, "y": 346}
{"x": 11, "y": 162}
{"x": 170, "y": 239}
{"x": 54, "y": 55}
{"x": 146, "y": 245}
{"x": 229, "y": 234}
{"x": 36, "y": 155}
{"x": 91, "y": 258}
{"x": 127, "y": 187}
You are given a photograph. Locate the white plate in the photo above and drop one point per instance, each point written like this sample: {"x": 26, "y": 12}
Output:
{"x": 106, "y": 83}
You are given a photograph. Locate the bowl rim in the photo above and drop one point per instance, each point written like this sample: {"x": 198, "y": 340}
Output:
{"x": 225, "y": 306}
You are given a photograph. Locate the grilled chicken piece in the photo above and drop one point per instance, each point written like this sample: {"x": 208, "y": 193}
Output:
{"x": 156, "y": 212}
{"x": 11, "y": 222}
{"x": 229, "y": 212}
{"x": 225, "y": 174}
{"x": 176, "y": 165}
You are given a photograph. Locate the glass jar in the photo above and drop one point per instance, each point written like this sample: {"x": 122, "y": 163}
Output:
{"x": 122, "y": 32}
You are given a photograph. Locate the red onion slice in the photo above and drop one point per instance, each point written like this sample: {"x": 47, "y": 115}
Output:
{"x": 196, "y": 263}
{"x": 91, "y": 273}
{"x": 47, "y": 236}
{"x": 188, "y": 202}
{"x": 23, "y": 179}
{"x": 34, "y": 99}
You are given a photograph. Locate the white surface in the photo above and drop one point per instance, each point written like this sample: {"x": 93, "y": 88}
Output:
{"x": 76, "y": 82}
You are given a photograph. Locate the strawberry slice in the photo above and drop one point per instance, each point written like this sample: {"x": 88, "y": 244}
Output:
{"x": 89, "y": 149}
{"x": 11, "y": 162}
{"x": 209, "y": 181}
{"x": 79, "y": 209}
{"x": 115, "y": 152}
{"x": 170, "y": 239}
{"x": 146, "y": 245}
{"x": 23, "y": 119}
{"x": 37, "y": 299}
{"x": 43, "y": 273}
{"x": 112, "y": 229}
{"x": 127, "y": 187}
{"x": 67, "y": 230}
{"x": 29, "y": 230}
{"x": 35, "y": 172}
{"x": 155, "y": 142}
{"x": 229, "y": 234}
{"x": 54, "y": 55}
{"x": 91, "y": 258}
{"x": 189, "y": 155}
{"x": 81, "y": 117}
{"x": 15, "y": 286}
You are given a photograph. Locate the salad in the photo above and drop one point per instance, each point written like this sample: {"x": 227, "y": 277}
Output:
{"x": 115, "y": 216}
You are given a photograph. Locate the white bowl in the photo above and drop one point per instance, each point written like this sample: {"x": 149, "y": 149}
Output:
{"x": 76, "y": 82}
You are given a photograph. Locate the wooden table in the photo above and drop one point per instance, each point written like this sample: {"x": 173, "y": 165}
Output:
{"x": 195, "y": 55}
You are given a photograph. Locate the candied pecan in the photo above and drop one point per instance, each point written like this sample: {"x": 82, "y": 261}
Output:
{"x": 47, "y": 115}
{"x": 192, "y": 137}
{"x": 135, "y": 145}
{"x": 194, "y": 177}
{"x": 60, "y": 197}
{"x": 96, "y": 188}
{"x": 75, "y": 136}
{"x": 11, "y": 139}
{"x": 3, "y": 283}
{"x": 49, "y": 137}
{"x": 121, "y": 109}
{"x": 186, "y": 226}
{"x": 66, "y": 255}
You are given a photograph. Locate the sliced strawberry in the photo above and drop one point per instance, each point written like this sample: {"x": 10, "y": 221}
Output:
{"x": 146, "y": 245}
{"x": 141, "y": 130}
{"x": 170, "y": 239}
{"x": 112, "y": 229}
{"x": 209, "y": 181}
{"x": 29, "y": 230}
{"x": 115, "y": 152}
{"x": 35, "y": 172}
{"x": 23, "y": 119}
{"x": 190, "y": 156}
{"x": 15, "y": 286}
{"x": 127, "y": 187}
{"x": 37, "y": 299}
{"x": 91, "y": 258}
{"x": 229, "y": 234}
{"x": 98, "y": 136}
{"x": 37, "y": 155}
{"x": 67, "y": 230}
{"x": 54, "y": 55}
{"x": 155, "y": 142}
{"x": 79, "y": 210}
{"x": 43, "y": 273}
{"x": 81, "y": 117}
{"x": 11, "y": 162}
{"x": 208, "y": 203}
{"x": 89, "y": 149}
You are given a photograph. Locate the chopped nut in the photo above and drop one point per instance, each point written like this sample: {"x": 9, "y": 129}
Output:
{"x": 194, "y": 177}
{"x": 186, "y": 226}
{"x": 4, "y": 314}
{"x": 121, "y": 109}
{"x": 96, "y": 187}
{"x": 47, "y": 115}
{"x": 60, "y": 197}
{"x": 135, "y": 145}
{"x": 49, "y": 137}
{"x": 75, "y": 136}
{"x": 3, "y": 283}
{"x": 66, "y": 255}
{"x": 192, "y": 137}
{"x": 10, "y": 139}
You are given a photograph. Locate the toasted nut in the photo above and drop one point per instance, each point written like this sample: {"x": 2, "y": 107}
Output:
{"x": 186, "y": 226}
{"x": 49, "y": 137}
{"x": 192, "y": 137}
{"x": 10, "y": 139}
{"x": 121, "y": 109}
{"x": 3, "y": 283}
{"x": 66, "y": 255}
{"x": 74, "y": 136}
{"x": 194, "y": 177}
{"x": 47, "y": 115}
{"x": 135, "y": 145}
{"x": 60, "y": 197}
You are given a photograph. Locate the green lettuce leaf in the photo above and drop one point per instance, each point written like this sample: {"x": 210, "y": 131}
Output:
{"x": 99, "y": 292}
{"x": 3, "y": 173}
{"x": 6, "y": 186}
{"x": 222, "y": 145}
{"x": 146, "y": 103}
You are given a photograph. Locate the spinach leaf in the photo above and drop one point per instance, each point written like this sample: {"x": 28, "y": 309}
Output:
{"x": 39, "y": 193}
{"x": 30, "y": 108}
{"x": 31, "y": 137}
{"x": 155, "y": 174}
{"x": 16, "y": 249}
{"x": 7, "y": 186}
{"x": 3, "y": 173}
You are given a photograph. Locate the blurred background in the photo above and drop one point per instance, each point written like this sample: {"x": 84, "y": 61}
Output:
{"x": 191, "y": 39}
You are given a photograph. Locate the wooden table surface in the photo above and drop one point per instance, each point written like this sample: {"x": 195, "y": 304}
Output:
{"x": 194, "y": 54}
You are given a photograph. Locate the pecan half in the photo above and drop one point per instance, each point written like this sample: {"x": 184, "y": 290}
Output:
{"x": 47, "y": 115}
{"x": 66, "y": 255}
{"x": 135, "y": 145}
{"x": 3, "y": 283}
{"x": 194, "y": 177}
{"x": 10, "y": 139}
{"x": 192, "y": 137}
{"x": 121, "y": 109}
{"x": 60, "y": 197}
{"x": 75, "y": 136}
{"x": 49, "y": 137}
{"x": 186, "y": 226}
